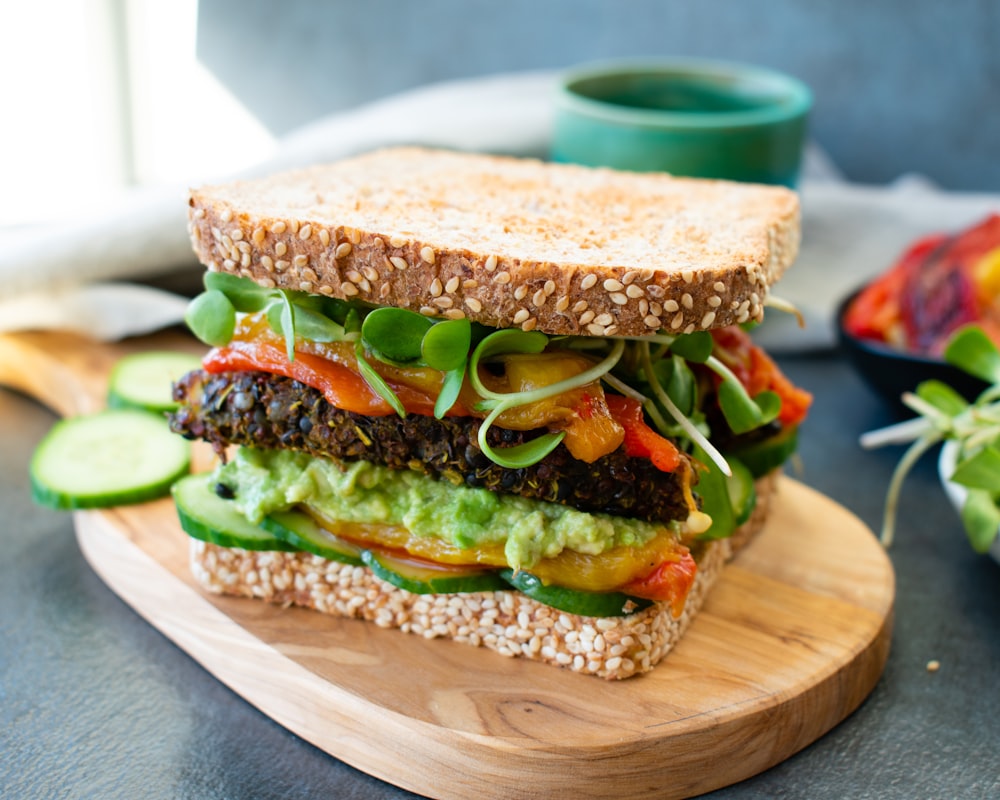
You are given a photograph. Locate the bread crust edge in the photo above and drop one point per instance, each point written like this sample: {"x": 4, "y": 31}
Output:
{"x": 560, "y": 298}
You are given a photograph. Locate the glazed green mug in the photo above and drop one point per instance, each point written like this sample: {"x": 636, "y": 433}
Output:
{"x": 707, "y": 119}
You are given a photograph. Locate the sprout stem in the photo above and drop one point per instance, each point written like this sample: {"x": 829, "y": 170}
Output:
{"x": 899, "y": 433}
{"x": 693, "y": 433}
{"x": 781, "y": 304}
{"x": 910, "y": 457}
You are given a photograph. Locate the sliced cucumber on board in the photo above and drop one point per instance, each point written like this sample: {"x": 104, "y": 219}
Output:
{"x": 145, "y": 380}
{"x": 742, "y": 492}
{"x": 573, "y": 601}
{"x": 205, "y": 515}
{"x": 422, "y": 577}
{"x": 302, "y": 531}
{"x": 111, "y": 458}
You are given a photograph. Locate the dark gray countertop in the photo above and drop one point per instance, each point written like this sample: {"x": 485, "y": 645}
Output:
{"x": 94, "y": 702}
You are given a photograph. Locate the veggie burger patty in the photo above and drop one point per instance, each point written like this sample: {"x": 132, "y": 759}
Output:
{"x": 268, "y": 411}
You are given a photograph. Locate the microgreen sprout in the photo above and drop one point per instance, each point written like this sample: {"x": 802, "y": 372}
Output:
{"x": 780, "y": 304}
{"x": 742, "y": 412}
{"x": 975, "y": 428}
{"x": 653, "y": 369}
{"x": 211, "y": 315}
{"x": 376, "y": 381}
{"x": 687, "y": 426}
{"x": 534, "y": 450}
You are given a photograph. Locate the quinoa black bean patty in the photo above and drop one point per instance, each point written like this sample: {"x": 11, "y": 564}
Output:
{"x": 267, "y": 411}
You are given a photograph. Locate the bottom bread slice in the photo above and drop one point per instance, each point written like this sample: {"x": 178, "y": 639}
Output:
{"x": 507, "y": 622}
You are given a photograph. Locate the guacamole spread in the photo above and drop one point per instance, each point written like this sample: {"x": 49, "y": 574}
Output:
{"x": 265, "y": 481}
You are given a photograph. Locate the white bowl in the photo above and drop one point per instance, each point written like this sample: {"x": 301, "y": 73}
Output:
{"x": 956, "y": 493}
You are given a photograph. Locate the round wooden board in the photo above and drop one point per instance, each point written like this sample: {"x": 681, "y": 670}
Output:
{"x": 791, "y": 640}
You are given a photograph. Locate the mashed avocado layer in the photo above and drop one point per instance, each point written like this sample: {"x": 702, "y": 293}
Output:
{"x": 265, "y": 481}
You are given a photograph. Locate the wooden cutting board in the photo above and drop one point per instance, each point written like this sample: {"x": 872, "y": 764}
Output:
{"x": 791, "y": 641}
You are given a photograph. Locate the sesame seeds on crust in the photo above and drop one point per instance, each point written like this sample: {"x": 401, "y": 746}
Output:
{"x": 707, "y": 262}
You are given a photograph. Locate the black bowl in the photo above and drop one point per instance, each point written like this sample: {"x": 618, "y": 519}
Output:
{"x": 891, "y": 372}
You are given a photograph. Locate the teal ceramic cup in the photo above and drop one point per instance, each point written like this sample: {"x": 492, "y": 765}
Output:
{"x": 708, "y": 119}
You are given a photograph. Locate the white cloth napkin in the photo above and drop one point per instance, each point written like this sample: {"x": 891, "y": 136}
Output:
{"x": 71, "y": 277}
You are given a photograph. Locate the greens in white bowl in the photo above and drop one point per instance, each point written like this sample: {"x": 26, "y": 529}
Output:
{"x": 970, "y": 460}
{"x": 959, "y": 494}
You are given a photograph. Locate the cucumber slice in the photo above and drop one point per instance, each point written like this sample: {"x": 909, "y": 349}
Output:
{"x": 144, "y": 380}
{"x": 422, "y": 577}
{"x": 573, "y": 601}
{"x": 110, "y": 458}
{"x": 742, "y": 492}
{"x": 301, "y": 530}
{"x": 768, "y": 454}
{"x": 206, "y": 516}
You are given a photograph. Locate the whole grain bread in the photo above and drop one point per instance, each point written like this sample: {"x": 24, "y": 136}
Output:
{"x": 507, "y": 242}
{"x": 507, "y": 622}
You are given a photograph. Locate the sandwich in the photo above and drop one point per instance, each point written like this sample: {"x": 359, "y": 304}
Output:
{"x": 488, "y": 399}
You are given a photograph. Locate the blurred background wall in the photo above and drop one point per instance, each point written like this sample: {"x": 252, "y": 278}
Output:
{"x": 97, "y": 96}
{"x": 900, "y": 85}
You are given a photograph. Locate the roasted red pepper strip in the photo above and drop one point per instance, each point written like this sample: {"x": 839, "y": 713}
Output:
{"x": 758, "y": 373}
{"x": 937, "y": 298}
{"x": 341, "y": 386}
{"x": 937, "y": 286}
{"x": 641, "y": 440}
{"x": 875, "y": 312}
{"x": 670, "y": 582}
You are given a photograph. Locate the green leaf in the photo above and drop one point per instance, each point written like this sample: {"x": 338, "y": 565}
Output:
{"x": 314, "y": 302}
{"x": 282, "y": 321}
{"x": 450, "y": 390}
{"x": 352, "y": 322}
{"x": 696, "y": 347}
{"x": 971, "y": 350}
{"x": 273, "y": 314}
{"x": 769, "y": 404}
{"x": 334, "y": 308}
{"x": 713, "y": 488}
{"x": 981, "y": 519}
{"x": 510, "y": 340}
{"x": 315, "y": 326}
{"x": 375, "y": 381}
{"x": 942, "y": 397}
{"x": 245, "y": 295}
{"x": 480, "y": 332}
{"x": 395, "y": 334}
{"x": 980, "y": 471}
{"x": 744, "y": 413}
{"x": 211, "y": 317}
{"x": 676, "y": 378}
{"x": 742, "y": 491}
{"x": 680, "y": 384}
{"x": 688, "y": 425}
{"x": 446, "y": 345}
{"x": 520, "y": 455}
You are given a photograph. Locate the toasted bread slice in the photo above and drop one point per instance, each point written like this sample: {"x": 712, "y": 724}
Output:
{"x": 507, "y": 242}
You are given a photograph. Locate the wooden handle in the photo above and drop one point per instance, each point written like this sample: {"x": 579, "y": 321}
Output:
{"x": 68, "y": 372}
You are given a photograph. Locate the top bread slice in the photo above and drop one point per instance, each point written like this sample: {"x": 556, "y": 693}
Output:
{"x": 507, "y": 242}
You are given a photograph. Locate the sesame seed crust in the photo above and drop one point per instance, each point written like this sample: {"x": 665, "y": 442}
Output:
{"x": 507, "y": 622}
{"x": 505, "y": 232}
